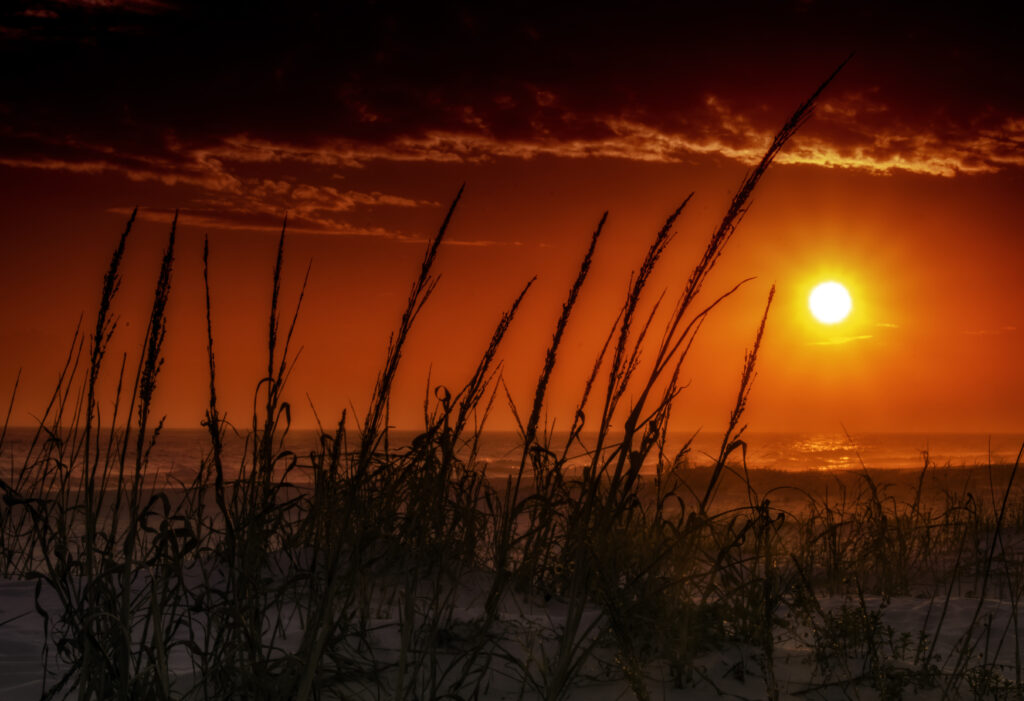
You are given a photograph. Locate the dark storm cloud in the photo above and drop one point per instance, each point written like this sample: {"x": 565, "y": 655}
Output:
{"x": 200, "y": 93}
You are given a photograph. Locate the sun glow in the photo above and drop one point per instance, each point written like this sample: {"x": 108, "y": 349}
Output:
{"x": 830, "y": 303}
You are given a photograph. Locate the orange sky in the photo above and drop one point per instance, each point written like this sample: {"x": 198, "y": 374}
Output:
{"x": 905, "y": 186}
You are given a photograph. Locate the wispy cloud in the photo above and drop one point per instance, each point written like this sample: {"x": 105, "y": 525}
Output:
{"x": 228, "y": 201}
{"x": 851, "y": 132}
{"x": 228, "y": 191}
{"x": 222, "y": 220}
{"x": 850, "y": 137}
{"x": 840, "y": 340}
{"x": 138, "y": 169}
{"x": 241, "y": 177}
{"x": 38, "y": 13}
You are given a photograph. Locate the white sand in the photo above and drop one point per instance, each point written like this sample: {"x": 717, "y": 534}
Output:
{"x": 734, "y": 671}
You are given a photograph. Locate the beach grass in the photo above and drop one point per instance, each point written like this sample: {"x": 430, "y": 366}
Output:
{"x": 370, "y": 569}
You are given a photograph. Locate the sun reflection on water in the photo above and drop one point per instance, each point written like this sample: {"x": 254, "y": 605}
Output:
{"x": 827, "y": 452}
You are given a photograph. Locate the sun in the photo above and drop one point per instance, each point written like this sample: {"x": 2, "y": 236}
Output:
{"x": 830, "y": 303}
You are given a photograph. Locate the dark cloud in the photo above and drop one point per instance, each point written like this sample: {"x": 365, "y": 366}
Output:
{"x": 200, "y": 93}
{"x": 371, "y": 71}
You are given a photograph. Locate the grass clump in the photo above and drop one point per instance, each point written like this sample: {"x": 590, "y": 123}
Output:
{"x": 370, "y": 569}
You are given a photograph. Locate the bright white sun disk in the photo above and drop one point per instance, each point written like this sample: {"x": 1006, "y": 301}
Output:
{"x": 830, "y": 302}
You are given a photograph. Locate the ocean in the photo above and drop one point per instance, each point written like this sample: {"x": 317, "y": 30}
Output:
{"x": 178, "y": 452}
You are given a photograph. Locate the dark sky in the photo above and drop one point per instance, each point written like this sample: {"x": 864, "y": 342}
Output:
{"x": 200, "y": 91}
{"x": 360, "y": 120}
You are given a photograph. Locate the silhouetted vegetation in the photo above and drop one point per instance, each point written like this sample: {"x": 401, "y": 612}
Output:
{"x": 366, "y": 569}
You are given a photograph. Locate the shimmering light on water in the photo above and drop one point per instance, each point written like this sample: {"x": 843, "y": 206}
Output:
{"x": 178, "y": 453}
